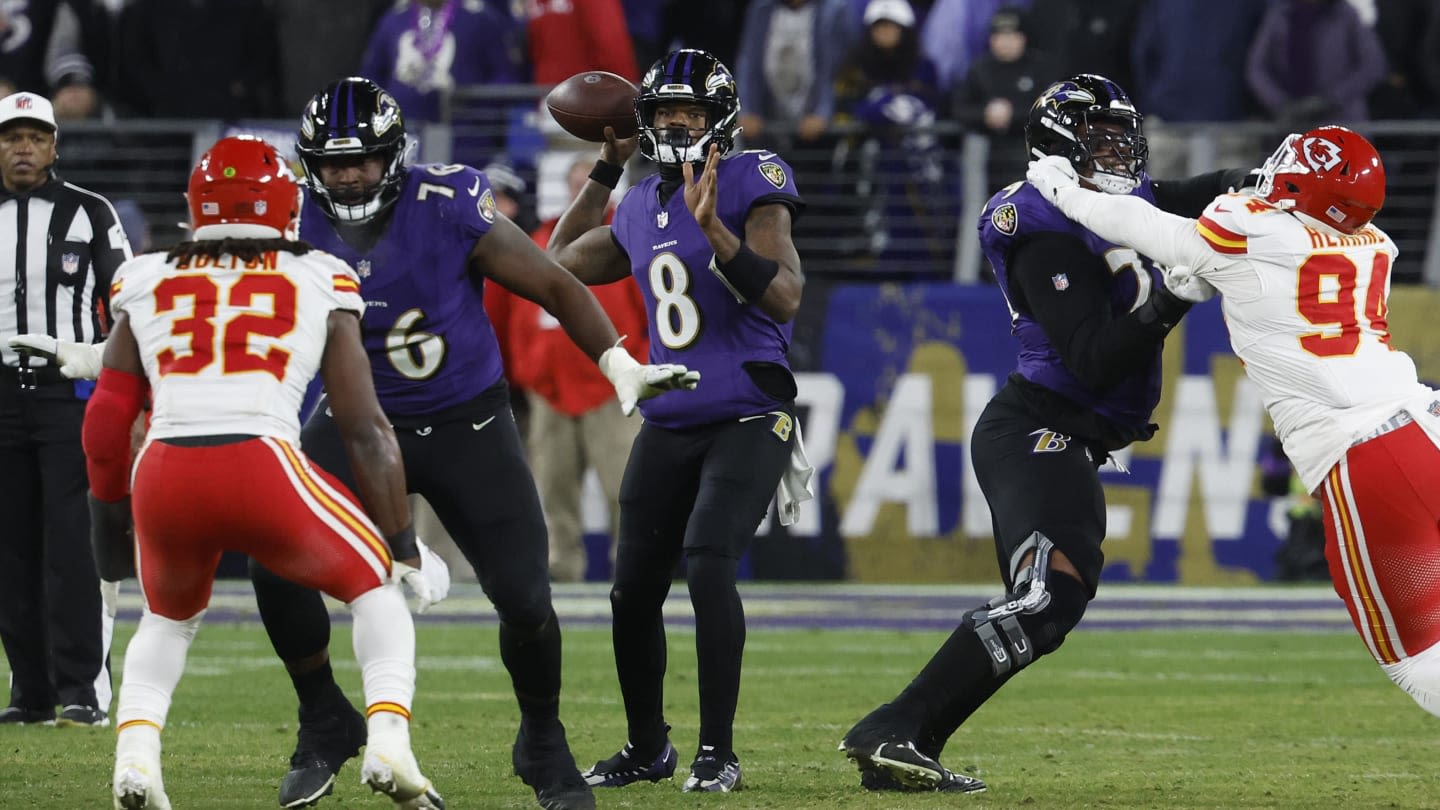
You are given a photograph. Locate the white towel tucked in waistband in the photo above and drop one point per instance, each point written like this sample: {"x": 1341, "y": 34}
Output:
{"x": 794, "y": 486}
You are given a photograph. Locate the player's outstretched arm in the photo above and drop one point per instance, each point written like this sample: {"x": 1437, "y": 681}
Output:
{"x": 369, "y": 440}
{"x": 1122, "y": 219}
{"x": 512, "y": 259}
{"x": 77, "y": 361}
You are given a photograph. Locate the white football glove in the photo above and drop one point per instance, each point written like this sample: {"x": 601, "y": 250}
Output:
{"x": 1050, "y": 175}
{"x": 110, "y": 597}
{"x": 77, "y": 361}
{"x": 1186, "y": 285}
{"x": 634, "y": 382}
{"x": 428, "y": 584}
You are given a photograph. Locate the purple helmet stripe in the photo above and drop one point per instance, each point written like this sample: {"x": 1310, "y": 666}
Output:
{"x": 689, "y": 61}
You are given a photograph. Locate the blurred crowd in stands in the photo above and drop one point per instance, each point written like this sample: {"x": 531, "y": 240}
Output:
{"x": 801, "y": 64}
{"x": 847, "y": 89}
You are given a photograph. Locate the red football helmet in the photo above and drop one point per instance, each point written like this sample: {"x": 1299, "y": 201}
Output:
{"x": 1330, "y": 174}
{"x": 243, "y": 189}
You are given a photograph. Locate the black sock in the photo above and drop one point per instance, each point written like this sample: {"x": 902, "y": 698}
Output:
{"x": 298, "y": 625}
{"x": 719, "y": 647}
{"x": 532, "y": 658}
{"x": 317, "y": 687}
{"x": 638, "y": 635}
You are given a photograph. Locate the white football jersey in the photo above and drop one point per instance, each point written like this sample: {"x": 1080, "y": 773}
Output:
{"x": 1306, "y": 309}
{"x": 1305, "y": 306}
{"x": 229, "y": 346}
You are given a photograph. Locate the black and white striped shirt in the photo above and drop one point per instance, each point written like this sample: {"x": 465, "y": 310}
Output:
{"x": 59, "y": 248}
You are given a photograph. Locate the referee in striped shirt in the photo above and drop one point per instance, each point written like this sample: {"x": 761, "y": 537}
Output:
{"x": 59, "y": 248}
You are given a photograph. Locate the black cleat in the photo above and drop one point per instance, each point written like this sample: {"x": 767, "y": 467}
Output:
{"x": 873, "y": 777}
{"x": 542, "y": 760}
{"x": 328, "y": 736}
{"x": 22, "y": 716}
{"x": 889, "y": 760}
{"x": 81, "y": 716}
{"x": 713, "y": 774}
{"x": 627, "y": 767}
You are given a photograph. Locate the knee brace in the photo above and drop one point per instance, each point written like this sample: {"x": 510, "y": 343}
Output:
{"x": 1032, "y": 620}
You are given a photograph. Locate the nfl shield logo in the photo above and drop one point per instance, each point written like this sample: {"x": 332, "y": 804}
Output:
{"x": 1434, "y": 408}
{"x": 662, "y": 219}
{"x": 1061, "y": 281}
{"x": 362, "y": 268}
{"x": 70, "y": 263}
{"x": 261, "y": 207}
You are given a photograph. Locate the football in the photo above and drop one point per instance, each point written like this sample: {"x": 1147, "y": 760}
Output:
{"x": 586, "y": 103}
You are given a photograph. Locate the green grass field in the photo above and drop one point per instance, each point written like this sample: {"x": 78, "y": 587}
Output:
{"x": 1142, "y": 719}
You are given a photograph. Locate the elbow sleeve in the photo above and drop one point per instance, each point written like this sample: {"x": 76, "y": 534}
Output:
{"x": 105, "y": 436}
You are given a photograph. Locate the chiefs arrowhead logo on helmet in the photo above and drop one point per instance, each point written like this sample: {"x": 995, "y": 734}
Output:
{"x": 1322, "y": 155}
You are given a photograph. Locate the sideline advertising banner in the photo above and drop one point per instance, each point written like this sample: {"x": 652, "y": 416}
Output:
{"x": 892, "y": 379}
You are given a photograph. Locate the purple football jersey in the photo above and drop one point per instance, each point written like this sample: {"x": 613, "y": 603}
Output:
{"x": 694, "y": 318}
{"x": 430, "y": 343}
{"x": 1019, "y": 211}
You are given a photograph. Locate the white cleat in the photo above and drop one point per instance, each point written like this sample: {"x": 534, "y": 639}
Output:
{"x": 138, "y": 787}
{"x": 392, "y": 770}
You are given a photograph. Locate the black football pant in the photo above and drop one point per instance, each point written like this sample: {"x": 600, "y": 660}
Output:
{"x": 704, "y": 492}
{"x": 1034, "y": 480}
{"x": 469, "y": 465}
{"x": 50, "y": 611}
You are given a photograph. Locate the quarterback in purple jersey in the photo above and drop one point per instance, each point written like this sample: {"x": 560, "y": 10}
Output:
{"x": 1091, "y": 318}
{"x": 708, "y": 240}
{"x": 423, "y": 239}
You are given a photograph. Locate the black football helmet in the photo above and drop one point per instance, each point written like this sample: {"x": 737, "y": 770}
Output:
{"x": 1062, "y": 122}
{"x": 353, "y": 116}
{"x": 687, "y": 76}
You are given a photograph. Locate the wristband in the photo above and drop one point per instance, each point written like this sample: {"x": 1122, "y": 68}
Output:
{"x": 606, "y": 174}
{"x": 747, "y": 274}
{"x": 403, "y": 545}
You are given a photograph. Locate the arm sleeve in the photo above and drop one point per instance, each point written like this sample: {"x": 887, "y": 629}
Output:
{"x": 1187, "y": 198}
{"x": 105, "y": 433}
{"x": 1099, "y": 349}
{"x": 1124, "y": 220}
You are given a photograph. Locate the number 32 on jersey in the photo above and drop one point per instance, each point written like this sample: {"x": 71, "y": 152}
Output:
{"x": 232, "y": 351}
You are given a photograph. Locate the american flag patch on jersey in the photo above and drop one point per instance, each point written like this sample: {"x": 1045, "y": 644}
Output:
{"x": 1434, "y": 408}
{"x": 1220, "y": 240}
{"x": 345, "y": 284}
{"x": 1061, "y": 281}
